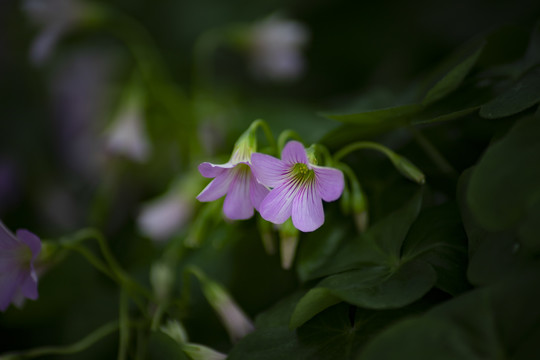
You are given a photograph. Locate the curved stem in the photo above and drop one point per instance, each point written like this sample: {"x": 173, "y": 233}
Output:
{"x": 79, "y": 346}
{"x": 435, "y": 155}
{"x": 117, "y": 272}
{"x": 325, "y": 153}
{"x": 92, "y": 259}
{"x": 267, "y": 132}
{"x": 284, "y": 136}
{"x": 364, "y": 145}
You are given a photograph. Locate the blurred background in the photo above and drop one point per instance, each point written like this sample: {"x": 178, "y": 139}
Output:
{"x": 107, "y": 107}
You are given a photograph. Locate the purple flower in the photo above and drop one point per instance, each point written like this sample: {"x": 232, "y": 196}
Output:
{"x": 18, "y": 279}
{"x": 235, "y": 180}
{"x": 298, "y": 187}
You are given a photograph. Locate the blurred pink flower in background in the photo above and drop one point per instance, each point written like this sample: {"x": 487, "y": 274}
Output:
{"x": 56, "y": 18}
{"x": 276, "y": 49}
{"x": 126, "y": 135}
{"x": 18, "y": 278}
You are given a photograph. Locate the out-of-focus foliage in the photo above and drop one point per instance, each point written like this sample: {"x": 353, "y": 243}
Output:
{"x": 108, "y": 107}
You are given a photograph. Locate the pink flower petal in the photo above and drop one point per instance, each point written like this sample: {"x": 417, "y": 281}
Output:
{"x": 29, "y": 287}
{"x": 257, "y": 192}
{"x": 8, "y": 287}
{"x": 277, "y": 205}
{"x": 330, "y": 182}
{"x": 217, "y": 188}
{"x": 33, "y": 242}
{"x": 7, "y": 239}
{"x": 237, "y": 204}
{"x": 209, "y": 170}
{"x": 307, "y": 209}
{"x": 268, "y": 170}
{"x": 294, "y": 152}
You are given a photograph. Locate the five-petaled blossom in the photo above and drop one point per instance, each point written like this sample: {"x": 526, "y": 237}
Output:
{"x": 298, "y": 187}
{"x": 234, "y": 179}
{"x": 18, "y": 279}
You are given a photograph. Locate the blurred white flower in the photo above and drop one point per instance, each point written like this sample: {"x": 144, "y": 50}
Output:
{"x": 169, "y": 213}
{"x": 127, "y": 134}
{"x": 164, "y": 216}
{"x": 276, "y": 49}
{"x": 56, "y": 18}
{"x": 236, "y": 322}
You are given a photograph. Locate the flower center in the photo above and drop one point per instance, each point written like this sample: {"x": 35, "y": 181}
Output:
{"x": 302, "y": 173}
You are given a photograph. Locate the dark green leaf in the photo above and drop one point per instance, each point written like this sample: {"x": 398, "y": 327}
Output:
{"x": 506, "y": 182}
{"x": 315, "y": 301}
{"x": 453, "y": 79}
{"x": 491, "y": 254}
{"x": 423, "y": 338}
{"x": 336, "y": 333}
{"x": 370, "y": 287}
{"x": 497, "y": 322}
{"x": 327, "y": 337}
{"x": 162, "y": 346}
{"x": 317, "y": 247}
{"x": 437, "y": 237}
{"x": 521, "y": 96}
{"x": 380, "y": 245}
{"x": 384, "y": 117}
{"x": 379, "y": 288}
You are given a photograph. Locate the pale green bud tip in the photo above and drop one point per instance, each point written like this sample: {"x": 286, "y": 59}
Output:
{"x": 265, "y": 229}
{"x": 233, "y": 318}
{"x": 288, "y": 247}
{"x": 162, "y": 279}
{"x": 361, "y": 221}
{"x": 409, "y": 170}
{"x": 312, "y": 158}
{"x": 201, "y": 352}
{"x": 245, "y": 145}
{"x": 176, "y": 331}
{"x": 288, "y": 234}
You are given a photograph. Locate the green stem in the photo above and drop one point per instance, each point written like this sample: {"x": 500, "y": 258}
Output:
{"x": 364, "y": 145}
{"x": 118, "y": 273}
{"x": 79, "y": 346}
{"x": 92, "y": 259}
{"x": 434, "y": 154}
{"x": 284, "y": 136}
{"x": 402, "y": 164}
{"x": 124, "y": 325}
{"x": 327, "y": 158}
{"x": 267, "y": 132}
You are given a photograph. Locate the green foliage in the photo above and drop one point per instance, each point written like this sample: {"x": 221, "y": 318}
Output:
{"x": 442, "y": 267}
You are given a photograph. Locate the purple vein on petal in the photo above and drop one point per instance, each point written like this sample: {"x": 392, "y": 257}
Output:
{"x": 217, "y": 187}
{"x": 294, "y": 152}
{"x": 307, "y": 209}
{"x": 210, "y": 170}
{"x": 329, "y": 181}
{"x": 277, "y": 205}
{"x": 237, "y": 204}
{"x": 257, "y": 192}
{"x": 268, "y": 170}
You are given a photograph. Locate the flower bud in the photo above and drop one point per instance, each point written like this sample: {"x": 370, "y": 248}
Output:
{"x": 408, "y": 169}
{"x": 176, "y": 331}
{"x": 288, "y": 234}
{"x": 267, "y": 235}
{"x": 201, "y": 352}
{"x": 162, "y": 280}
{"x": 233, "y": 318}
